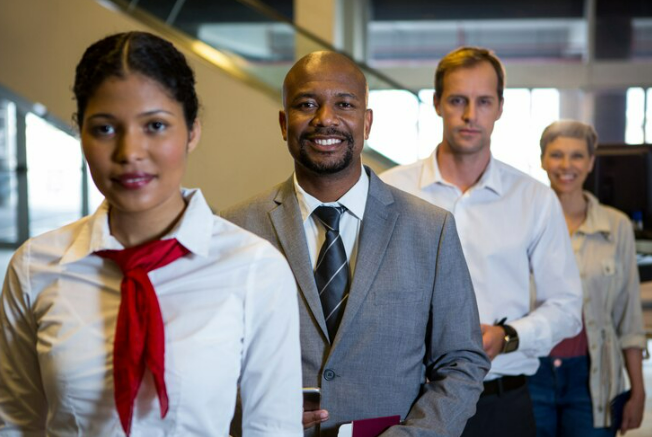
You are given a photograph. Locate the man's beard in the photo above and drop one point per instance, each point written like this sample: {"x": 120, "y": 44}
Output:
{"x": 330, "y": 167}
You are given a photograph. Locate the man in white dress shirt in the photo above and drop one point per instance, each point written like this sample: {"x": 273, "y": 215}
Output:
{"x": 512, "y": 231}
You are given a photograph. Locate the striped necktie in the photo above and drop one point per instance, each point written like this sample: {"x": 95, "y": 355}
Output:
{"x": 332, "y": 270}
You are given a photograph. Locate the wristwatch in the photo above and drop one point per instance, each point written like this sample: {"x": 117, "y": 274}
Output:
{"x": 511, "y": 339}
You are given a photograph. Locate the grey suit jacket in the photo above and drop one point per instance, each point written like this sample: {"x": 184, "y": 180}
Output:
{"x": 409, "y": 342}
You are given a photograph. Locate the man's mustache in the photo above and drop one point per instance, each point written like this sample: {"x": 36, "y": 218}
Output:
{"x": 329, "y": 131}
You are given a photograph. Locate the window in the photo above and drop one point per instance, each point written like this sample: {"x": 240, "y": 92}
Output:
{"x": 406, "y": 128}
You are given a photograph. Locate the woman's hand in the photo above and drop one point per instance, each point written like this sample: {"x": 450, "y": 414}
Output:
{"x": 633, "y": 412}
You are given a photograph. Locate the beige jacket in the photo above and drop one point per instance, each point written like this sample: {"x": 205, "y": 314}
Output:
{"x": 606, "y": 257}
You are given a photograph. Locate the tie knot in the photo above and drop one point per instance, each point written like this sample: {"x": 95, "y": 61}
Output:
{"x": 330, "y": 216}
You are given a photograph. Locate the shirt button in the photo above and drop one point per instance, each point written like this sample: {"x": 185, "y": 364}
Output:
{"x": 557, "y": 362}
{"x": 329, "y": 375}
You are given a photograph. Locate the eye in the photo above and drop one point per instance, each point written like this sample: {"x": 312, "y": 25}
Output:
{"x": 345, "y": 105}
{"x": 306, "y": 105}
{"x": 156, "y": 126}
{"x": 102, "y": 130}
{"x": 456, "y": 101}
{"x": 485, "y": 102}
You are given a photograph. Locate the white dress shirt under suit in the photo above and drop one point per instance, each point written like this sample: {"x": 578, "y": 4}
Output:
{"x": 230, "y": 313}
{"x": 355, "y": 201}
{"x": 512, "y": 230}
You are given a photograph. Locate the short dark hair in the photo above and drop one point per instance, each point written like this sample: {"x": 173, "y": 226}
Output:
{"x": 136, "y": 52}
{"x": 465, "y": 57}
{"x": 569, "y": 129}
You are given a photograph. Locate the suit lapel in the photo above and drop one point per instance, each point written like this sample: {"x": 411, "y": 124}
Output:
{"x": 375, "y": 233}
{"x": 286, "y": 219}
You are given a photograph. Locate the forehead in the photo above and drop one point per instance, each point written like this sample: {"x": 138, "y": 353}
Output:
{"x": 479, "y": 79}
{"x": 568, "y": 143}
{"x": 131, "y": 91}
{"x": 326, "y": 78}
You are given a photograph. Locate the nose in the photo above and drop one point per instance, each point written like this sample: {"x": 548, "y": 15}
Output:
{"x": 325, "y": 116}
{"x": 565, "y": 162}
{"x": 469, "y": 112}
{"x": 129, "y": 148}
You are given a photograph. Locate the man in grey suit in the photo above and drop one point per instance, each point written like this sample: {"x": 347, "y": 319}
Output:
{"x": 389, "y": 322}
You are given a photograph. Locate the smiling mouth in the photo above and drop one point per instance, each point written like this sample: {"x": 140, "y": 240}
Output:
{"x": 327, "y": 141}
{"x": 567, "y": 177}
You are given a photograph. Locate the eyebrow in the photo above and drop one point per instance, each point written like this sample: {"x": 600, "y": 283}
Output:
{"x": 464, "y": 96}
{"x": 142, "y": 114}
{"x": 308, "y": 95}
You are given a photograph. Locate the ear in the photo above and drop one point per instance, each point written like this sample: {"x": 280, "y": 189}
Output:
{"x": 437, "y": 103}
{"x": 368, "y": 121}
{"x": 283, "y": 122}
{"x": 194, "y": 136}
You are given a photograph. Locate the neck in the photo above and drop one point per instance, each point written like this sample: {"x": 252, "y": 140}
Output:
{"x": 462, "y": 170}
{"x": 328, "y": 187}
{"x": 574, "y": 205}
{"x": 134, "y": 228}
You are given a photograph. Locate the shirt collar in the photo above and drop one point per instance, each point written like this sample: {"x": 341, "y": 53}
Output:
{"x": 191, "y": 231}
{"x": 596, "y": 221}
{"x": 353, "y": 200}
{"x": 431, "y": 174}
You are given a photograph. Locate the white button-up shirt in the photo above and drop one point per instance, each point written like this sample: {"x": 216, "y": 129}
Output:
{"x": 354, "y": 200}
{"x": 230, "y": 313}
{"x": 512, "y": 230}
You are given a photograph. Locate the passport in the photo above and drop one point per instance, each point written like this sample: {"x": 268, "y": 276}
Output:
{"x": 368, "y": 427}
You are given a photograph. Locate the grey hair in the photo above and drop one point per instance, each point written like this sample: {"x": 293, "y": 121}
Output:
{"x": 569, "y": 129}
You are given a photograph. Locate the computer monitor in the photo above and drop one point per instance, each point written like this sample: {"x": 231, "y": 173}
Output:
{"x": 622, "y": 178}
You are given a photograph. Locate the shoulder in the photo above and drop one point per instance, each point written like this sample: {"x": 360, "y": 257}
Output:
{"x": 233, "y": 240}
{"x": 254, "y": 207}
{"x": 406, "y": 177}
{"x": 42, "y": 253}
{"x": 524, "y": 186}
{"x": 411, "y": 209}
{"x": 51, "y": 246}
{"x": 618, "y": 221}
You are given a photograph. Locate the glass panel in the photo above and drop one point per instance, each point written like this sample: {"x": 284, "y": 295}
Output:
{"x": 238, "y": 29}
{"x": 394, "y": 130}
{"x": 54, "y": 163}
{"x": 8, "y": 199}
{"x": 400, "y": 121}
{"x": 159, "y": 8}
{"x": 400, "y": 41}
{"x": 623, "y": 29}
{"x": 431, "y": 126}
{"x": 95, "y": 198}
{"x": 648, "y": 117}
{"x": 634, "y": 116}
{"x": 424, "y": 31}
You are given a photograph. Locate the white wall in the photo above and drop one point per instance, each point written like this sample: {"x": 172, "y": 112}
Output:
{"x": 241, "y": 152}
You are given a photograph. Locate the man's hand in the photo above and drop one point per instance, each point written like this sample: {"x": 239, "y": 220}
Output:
{"x": 633, "y": 413}
{"x": 312, "y": 418}
{"x": 493, "y": 339}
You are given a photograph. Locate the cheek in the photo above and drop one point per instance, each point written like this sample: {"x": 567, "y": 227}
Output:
{"x": 173, "y": 156}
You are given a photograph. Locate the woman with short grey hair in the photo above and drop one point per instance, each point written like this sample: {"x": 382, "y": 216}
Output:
{"x": 575, "y": 385}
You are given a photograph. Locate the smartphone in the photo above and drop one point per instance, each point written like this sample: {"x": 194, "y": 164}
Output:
{"x": 311, "y": 398}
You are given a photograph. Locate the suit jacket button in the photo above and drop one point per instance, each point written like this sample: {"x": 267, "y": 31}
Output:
{"x": 329, "y": 375}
